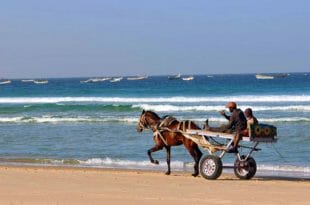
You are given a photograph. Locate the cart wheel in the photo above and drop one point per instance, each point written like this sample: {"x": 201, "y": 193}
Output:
{"x": 211, "y": 167}
{"x": 245, "y": 169}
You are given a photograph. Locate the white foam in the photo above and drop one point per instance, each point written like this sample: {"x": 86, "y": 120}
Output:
{"x": 239, "y": 98}
{"x": 129, "y": 120}
{"x": 285, "y": 119}
{"x": 51, "y": 119}
{"x": 280, "y": 119}
{"x": 107, "y": 162}
{"x": 179, "y": 165}
{"x": 284, "y": 168}
{"x": 118, "y": 163}
{"x": 174, "y": 108}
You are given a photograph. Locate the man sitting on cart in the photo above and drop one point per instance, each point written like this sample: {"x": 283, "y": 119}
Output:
{"x": 237, "y": 123}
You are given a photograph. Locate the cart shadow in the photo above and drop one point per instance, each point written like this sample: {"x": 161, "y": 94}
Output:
{"x": 269, "y": 178}
{"x": 282, "y": 178}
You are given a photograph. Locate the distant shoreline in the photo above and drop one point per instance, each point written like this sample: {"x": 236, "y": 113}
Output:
{"x": 158, "y": 75}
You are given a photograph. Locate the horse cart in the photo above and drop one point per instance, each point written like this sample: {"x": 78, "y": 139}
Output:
{"x": 168, "y": 131}
{"x": 217, "y": 144}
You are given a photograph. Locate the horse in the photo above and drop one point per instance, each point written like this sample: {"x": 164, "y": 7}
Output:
{"x": 166, "y": 134}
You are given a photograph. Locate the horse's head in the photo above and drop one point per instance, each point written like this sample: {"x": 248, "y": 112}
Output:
{"x": 147, "y": 120}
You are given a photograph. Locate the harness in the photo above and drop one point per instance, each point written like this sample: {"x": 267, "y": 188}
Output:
{"x": 163, "y": 125}
{"x": 166, "y": 122}
{"x": 183, "y": 124}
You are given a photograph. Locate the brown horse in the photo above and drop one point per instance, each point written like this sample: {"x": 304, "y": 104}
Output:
{"x": 169, "y": 136}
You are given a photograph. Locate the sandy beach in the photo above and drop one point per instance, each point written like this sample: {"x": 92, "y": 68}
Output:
{"x": 61, "y": 185}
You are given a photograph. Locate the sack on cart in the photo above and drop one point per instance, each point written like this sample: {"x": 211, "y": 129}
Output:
{"x": 262, "y": 131}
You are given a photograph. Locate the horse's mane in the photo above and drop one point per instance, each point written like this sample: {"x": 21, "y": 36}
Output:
{"x": 153, "y": 113}
{"x": 165, "y": 116}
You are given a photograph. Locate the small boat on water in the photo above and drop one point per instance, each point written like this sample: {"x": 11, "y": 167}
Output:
{"x": 114, "y": 80}
{"x": 104, "y": 79}
{"x": 27, "y": 81}
{"x": 175, "y": 77}
{"x": 281, "y": 75}
{"x": 4, "y": 82}
{"x": 264, "y": 77}
{"x": 95, "y": 80}
{"x": 40, "y": 81}
{"x": 188, "y": 78}
{"x": 137, "y": 78}
{"x": 271, "y": 76}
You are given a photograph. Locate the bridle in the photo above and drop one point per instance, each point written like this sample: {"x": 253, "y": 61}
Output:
{"x": 157, "y": 131}
{"x": 143, "y": 123}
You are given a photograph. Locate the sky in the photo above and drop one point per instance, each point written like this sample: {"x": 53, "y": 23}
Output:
{"x": 77, "y": 38}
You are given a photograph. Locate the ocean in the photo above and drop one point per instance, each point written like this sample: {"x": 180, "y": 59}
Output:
{"x": 66, "y": 122}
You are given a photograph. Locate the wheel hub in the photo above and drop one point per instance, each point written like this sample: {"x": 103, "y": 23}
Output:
{"x": 209, "y": 167}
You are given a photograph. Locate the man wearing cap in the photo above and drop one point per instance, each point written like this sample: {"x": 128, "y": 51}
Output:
{"x": 237, "y": 123}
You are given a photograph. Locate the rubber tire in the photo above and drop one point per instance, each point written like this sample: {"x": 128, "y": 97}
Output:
{"x": 216, "y": 164}
{"x": 248, "y": 172}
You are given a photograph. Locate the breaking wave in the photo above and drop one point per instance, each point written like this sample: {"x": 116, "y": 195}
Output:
{"x": 166, "y": 108}
{"x": 61, "y": 107}
{"x": 179, "y": 99}
{"x": 79, "y": 119}
{"x": 124, "y": 120}
{"x": 107, "y": 162}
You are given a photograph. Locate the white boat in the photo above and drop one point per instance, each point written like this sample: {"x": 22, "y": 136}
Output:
{"x": 188, "y": 78}
{"x": 27, "y": 81}
{"x": 94, "y": 80}
{"x": 210, "y": 76}
{"x": 85, "y": 81}
{"x": 264, "y": 77}
{"x": 40, "y": 81}
{"x": 137, "y": 78}
{"x": 114, "y": 80}
{"x": 104, "y": 79}
{"x": 178, "y": 76}
{"x": 4, "y": 82}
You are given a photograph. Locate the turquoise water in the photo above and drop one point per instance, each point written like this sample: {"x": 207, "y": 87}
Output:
{"x": 66, "y": 122}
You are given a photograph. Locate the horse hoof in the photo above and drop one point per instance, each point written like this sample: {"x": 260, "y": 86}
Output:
{"x": 167, "y": 173}
{"x": 155, "y": 162}
{"x": 195, "y": 174}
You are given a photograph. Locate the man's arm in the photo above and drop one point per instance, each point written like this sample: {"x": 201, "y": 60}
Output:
{"x": 232, "y": 119}
{"x": 227, "y": 117}
{"x": 224, "y": 114}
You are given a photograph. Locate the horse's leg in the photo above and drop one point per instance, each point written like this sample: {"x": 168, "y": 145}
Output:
{"x": 192, "y": 149}
{"x": 168, "y": 149}
{"x": 197, "y": 158}
{"x": 154, "y": 149}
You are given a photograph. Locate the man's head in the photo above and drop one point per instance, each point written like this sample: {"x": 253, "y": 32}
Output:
{"x": 231, "y": 106}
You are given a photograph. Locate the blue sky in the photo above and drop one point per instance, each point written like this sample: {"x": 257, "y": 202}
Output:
{"x": 71, "y": 38}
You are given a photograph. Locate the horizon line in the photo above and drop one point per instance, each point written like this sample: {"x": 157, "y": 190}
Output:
{"x": 155, "y": 75}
